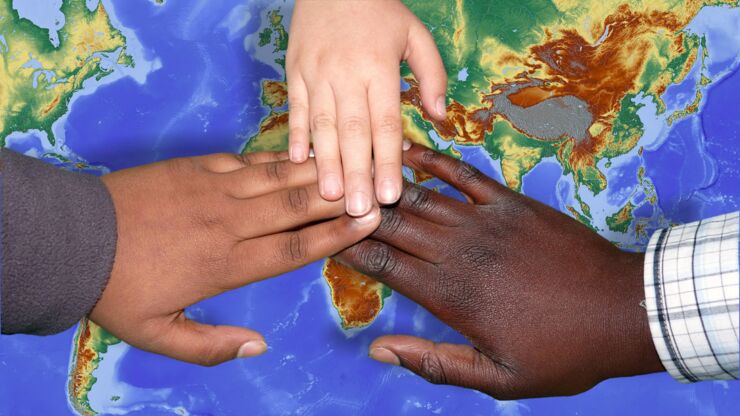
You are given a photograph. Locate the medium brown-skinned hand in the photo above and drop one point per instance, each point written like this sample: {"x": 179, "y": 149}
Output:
{"x": 192, "y": 228}
{"x": 549, "y": 306}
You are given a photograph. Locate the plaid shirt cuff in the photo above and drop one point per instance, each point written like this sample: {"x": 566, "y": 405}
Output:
{"x": 691, "y": 296}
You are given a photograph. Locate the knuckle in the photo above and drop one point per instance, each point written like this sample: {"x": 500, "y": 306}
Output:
{"x": 391, "y": 222}
{"x": 296, "y": 107}
{"x": 390, "y": 125}
{"x": 418, "y": 197}
{"x": 294, "y": 248}
{"x": 378, "y": 260}
{"x": 245, "y": 159}
{"x": 353, "y": 125}
{"x": 429, "y": 157}
{"x": 431, "y": 368}
{"x": 276, "y": 172}
{"x": 322, "y": 121}
{"x": 296, "y": 201}
{"x": 466, "y": 173}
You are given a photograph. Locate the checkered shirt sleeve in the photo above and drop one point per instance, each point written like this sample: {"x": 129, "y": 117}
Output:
{"x": 691, "y": 297}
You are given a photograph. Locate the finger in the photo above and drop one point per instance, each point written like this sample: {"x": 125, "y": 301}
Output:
{"x": 325, "y": 142}
{"x": 280, "y": 211}
{"x": 384, "y": 96}
{"x": 208, "y": 345}
{"x": 426, "y": 63}
{"x": 411, "y": 234}
{"x": 355, "y": 146}
{"x": 299, "y": 133}
{"x": 264, "y": 178}
{"x": 433, "y": 206}
{"x": 442, "y": 363}
{"x": 280, "y": 253}
{"x": 409, "y": 275}
{"x": 257, "y": 158}
{"x": 229, "y": 162}
{"x": 463, "y": 176}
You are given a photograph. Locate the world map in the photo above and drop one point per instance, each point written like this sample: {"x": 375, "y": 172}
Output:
{"x": 622, "y": 114}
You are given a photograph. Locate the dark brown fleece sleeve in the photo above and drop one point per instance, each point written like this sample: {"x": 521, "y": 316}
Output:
{"x": 58, "y": 245}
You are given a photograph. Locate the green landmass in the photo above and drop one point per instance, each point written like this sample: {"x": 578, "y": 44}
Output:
{"x": 265, "y": 36}
{"x": 91, "y": 342}
{"x": 85, "y": 36}
{"x": 459, "y": 27}
{"x": 620, "y": 221}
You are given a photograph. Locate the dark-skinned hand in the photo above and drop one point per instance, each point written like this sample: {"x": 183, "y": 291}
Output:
{"x": 192, "y": 228}
{"x": 549, "y": 306}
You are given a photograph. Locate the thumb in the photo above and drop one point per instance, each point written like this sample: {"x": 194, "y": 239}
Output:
{"x": 207, "y": 345}
{"x": 426, "y": 63}
{"x": 441, "y": 363}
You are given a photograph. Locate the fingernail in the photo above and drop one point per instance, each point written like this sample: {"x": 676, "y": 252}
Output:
{"x": 358, "y": 204}
{"x": 310, "y": 153}
{"x": 251, "y": 349}
{"x": 296, "y": 154}
{"x": 406, "y": 144}
{"x": 330, "y": 187}
{"x": 368, "y": 218}
{"x": 441, "y": 107}
{"x": 389, "y": 192}
{"x": 384, "y": 356}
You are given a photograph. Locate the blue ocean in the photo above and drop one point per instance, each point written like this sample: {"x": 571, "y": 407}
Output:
{"x": 198, "y": 91}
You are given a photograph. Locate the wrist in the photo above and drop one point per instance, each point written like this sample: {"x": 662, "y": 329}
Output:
{"x": 632, "y": 347}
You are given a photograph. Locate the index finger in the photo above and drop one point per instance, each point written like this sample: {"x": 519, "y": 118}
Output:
{"x": 271, "y": 255}
{"x": 463, "y": 176}
{"x": 409, "y": 275}
{"x": 229, "y": 162}
{"x": 264, "y": 178}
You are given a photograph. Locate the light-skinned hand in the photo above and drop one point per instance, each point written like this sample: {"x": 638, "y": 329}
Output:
{"x": 192, "y": 228}
{"x": 344, "y": 93}
{"x": 549, "y": 306}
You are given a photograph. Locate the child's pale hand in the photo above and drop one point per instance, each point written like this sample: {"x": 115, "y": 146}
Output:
{"x": 344, "y": 93}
